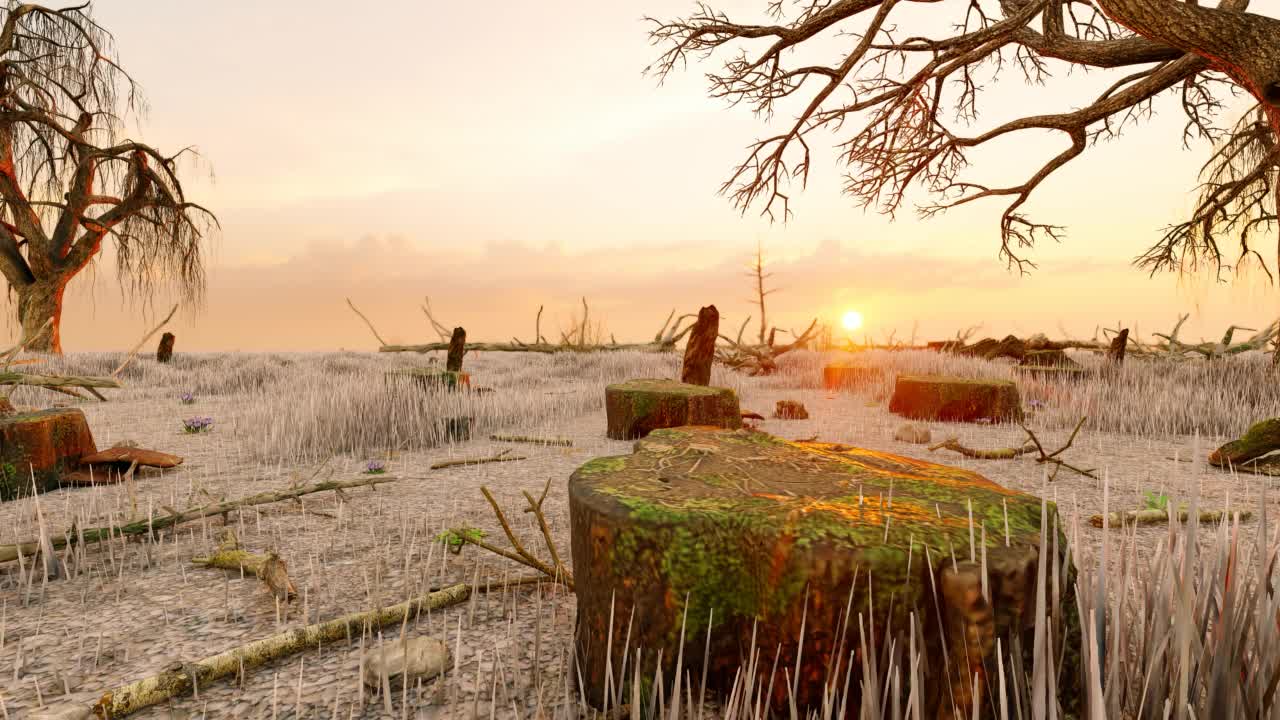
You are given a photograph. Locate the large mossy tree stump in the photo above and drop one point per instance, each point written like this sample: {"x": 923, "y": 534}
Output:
{"x": 1260, "y": 439}
{"x": 46, "y": 443}
{"x": 937, "y": 397}
{"x": 635, "y": 408}
{"x": 755, "y": 536}
{"x": 841, "y": 376}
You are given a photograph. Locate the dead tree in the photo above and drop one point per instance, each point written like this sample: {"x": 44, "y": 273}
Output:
{"x": 69, "y": 179}
{"x": 701, "y": 350}
{"x": 902, "y": 100}
{"x": 164, "y": 353}
{"x": 759, "y": 275}
{"x": 457, "y": 346}
{"x": 1115, "y": 352}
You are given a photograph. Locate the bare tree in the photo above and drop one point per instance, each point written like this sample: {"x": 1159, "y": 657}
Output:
{"x": 759, "y": 275}
{"x": 68, "y": 177}
{"x": 902, "y": 98}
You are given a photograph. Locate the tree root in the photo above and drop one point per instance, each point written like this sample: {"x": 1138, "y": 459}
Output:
{"x": 1033, "y": 445}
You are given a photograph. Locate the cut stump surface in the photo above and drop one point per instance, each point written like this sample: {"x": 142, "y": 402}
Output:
{"x": 48, "y": 443}
{"x": 637, "y": 407}
{"x": 936, "y": 397}
{"x": 772, "y": 534}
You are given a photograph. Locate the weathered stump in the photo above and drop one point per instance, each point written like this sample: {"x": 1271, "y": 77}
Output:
{"x": 936, "y": 397}
{"x": 637, "y": 407}
{"x": 1051, "y": 364}
{"x": 457, "y": 348}
{"x": 431, "y": 378}
{"x": 1115, "y": 353}
{"x": 790, "y": 410}
{"x": 1260, "y": 439}
{"x": 46, "y": 443}
{"x": 843, "y": 376}
{"x": 701, "y": 349}
{"x": 164, "y": 353}
{"x": 742, "y": 535}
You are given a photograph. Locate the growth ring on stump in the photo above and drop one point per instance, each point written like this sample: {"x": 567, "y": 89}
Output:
{"x": 48, "y": 443}
{"x": 772, "y": 535}
{"x": 937, "y": 397}
{"x": 637, "y": 407}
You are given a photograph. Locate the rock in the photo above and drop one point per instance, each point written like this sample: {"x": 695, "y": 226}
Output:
{"x": 1260, "y": 439}
{"x": 419, "y": 657}
{"x": 164, "y": 353}
{"x": 842, "y": 376}
{"x": 637, "y": 407}
{"x": 49, "y": 443}
{"x": 913, "y": 433}
{"x": 74, "y": 707}
{"x": 936, "y": 397}
{"x": 700, "y": 351}
{"x": 732, "y": 531}
{"x": 791, "y": 410}
{"x": 124, "y": 455}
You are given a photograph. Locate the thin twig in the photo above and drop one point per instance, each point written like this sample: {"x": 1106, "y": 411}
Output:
{"x": 366, "y": 322}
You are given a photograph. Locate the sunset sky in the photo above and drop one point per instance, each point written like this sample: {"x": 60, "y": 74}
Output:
{"x": 498, "y": 158}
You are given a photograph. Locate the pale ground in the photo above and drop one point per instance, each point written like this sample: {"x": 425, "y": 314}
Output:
{"x": 135, "y": 610}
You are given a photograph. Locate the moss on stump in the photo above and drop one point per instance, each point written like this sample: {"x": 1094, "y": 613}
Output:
{"x": 771, "y": 534}
{"x": 637, "y": 407}
{"x": 46, "y": 443}
{"x": 844, "y": 376}
{"x": 1260, "y": 439}
{"x": 936, "y": 397}
{"x": 432, "y": 378}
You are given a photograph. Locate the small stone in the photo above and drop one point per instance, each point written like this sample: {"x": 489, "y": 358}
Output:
{"x": 421, "y": 657}
{"x": 791, "y": 410}
{"x": 913, "y": 433}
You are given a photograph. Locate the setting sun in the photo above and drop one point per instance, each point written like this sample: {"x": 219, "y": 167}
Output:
{"x": 852, "y": 320}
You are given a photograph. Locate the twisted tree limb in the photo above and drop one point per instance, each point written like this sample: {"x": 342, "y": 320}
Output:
{"x": 1032, "y": 445}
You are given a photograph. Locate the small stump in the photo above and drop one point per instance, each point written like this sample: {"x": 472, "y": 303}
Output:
{"x": 48, "y": 443}
{"x": 936, "y": 397}
{"x": 164, "y": 353}
{"x": 431, "y": 378}
{"x": 790, "y": 410}
{"x": 839, "y": 377}
{"x": 774, "y": 536}
{"x": 637, "y": 407}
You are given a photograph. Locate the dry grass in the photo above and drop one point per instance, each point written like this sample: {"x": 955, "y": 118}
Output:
{"x": 129, "y": 609}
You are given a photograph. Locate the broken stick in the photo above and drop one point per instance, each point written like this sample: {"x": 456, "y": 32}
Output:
{"x": 1151, "y": 516}
{"x": 565, "y": 442}
{"x": 182, "y": 678}
{"x": 500, "y": 457}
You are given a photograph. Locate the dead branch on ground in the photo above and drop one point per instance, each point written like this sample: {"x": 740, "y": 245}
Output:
{"x": 760, "y": 359}
{"x": 1032, "y": 445}
{"x": 565, "y": 442}
{"x": 186, "y": 677}
{"x": 456, "y": 538}
{"x": 149, "y": 526}
{"x": 1152, "y": 516}
{"x": 503, "y": 456}
{"x": 269, "y": 567}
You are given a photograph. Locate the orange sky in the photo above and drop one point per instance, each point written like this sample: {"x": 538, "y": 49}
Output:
{"x": 498, "y": 161}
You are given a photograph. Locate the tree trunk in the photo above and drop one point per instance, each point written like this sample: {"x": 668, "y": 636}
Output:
{"x": 37, "y": 303}
{"x": 701, "y": 350}
{"x": 457, "y": 347}
{"x": 164, "y": 353}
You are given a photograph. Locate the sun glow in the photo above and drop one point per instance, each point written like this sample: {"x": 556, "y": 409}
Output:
{"x": 852, "y": 320}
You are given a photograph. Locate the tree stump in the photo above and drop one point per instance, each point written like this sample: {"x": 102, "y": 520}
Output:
{"x": 457, "y": 348}
{"x": 742, "y": 535}
{"x": 637, "y": 407}
{"x": 432, "y": 378}
{"x": 701, "y": 350}
{"x": 842, "y": 376}
{"x": 1115, "y": 353}
{"x": 1260, "y": 439}
{"x": 936, "y": 397}
{"x": 164, "y": 353}
{"x": 1051, "y": 364}
{"x": 48, "y": 443}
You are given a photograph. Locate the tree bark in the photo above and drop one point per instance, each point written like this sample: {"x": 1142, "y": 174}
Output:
{"x": 457, "y": 347}
{"x": 701, "y": 350}
{"x": 38, "y": 302}
{"x": 1115, "y": 353}
{"x": 164, "y": 353}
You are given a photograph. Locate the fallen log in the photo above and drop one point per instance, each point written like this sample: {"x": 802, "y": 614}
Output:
{"x": 500, "y": 457}
{"x": 269, "y": 568}
{"x": 564, "y": 442}
{"x": 160, "y": 522}
{"x": 182, "y": 678}
{"x": 1152, "y": 516}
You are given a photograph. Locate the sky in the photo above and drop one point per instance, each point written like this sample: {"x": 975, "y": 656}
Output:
{"x": 500, "y": 157}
